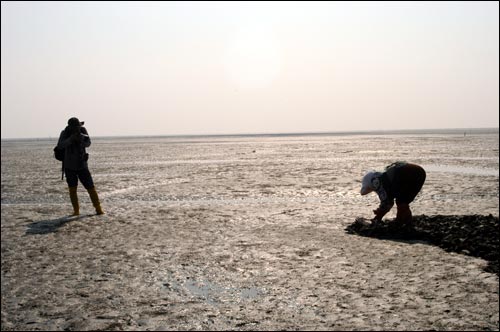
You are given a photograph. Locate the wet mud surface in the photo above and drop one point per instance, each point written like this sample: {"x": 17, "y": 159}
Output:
{"x": 246, "y": 233}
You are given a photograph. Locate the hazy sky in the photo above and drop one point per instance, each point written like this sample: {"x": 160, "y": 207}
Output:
{"x": 167, "y": 68}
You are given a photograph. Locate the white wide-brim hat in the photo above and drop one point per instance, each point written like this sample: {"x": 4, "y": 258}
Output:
{"x": 366, "y": 183}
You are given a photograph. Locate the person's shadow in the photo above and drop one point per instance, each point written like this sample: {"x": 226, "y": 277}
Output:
{"x": 473, "y": 235}
{"x": 52, "y": 225}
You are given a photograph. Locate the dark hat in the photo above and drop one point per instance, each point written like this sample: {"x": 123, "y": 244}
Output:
{"x": 74, "y": 122}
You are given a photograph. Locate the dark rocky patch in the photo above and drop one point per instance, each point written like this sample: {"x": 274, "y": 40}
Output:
{"x": 474, "y": 235}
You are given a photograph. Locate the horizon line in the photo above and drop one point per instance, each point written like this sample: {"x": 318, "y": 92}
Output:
{"x": 305, "y": 133}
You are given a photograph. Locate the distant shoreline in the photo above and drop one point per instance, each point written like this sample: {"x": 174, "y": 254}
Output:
{"x": 444, "y": 131}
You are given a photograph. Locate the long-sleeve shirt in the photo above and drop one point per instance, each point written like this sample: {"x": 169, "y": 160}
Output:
{"x": 385, "y": 186}
{"x": 74, "y": 146}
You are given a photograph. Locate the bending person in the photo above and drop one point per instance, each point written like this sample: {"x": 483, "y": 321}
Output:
{"x": 402, "y": 182}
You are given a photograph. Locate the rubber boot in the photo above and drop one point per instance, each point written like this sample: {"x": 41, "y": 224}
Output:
{"x": 95, "y": 200}
{"x": 74, "y": 201}
{"x": 403, "y": 215}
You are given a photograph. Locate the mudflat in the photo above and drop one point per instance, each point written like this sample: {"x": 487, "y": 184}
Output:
{"x": 243, "y": 233}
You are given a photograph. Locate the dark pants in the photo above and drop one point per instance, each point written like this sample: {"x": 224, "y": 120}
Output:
{"x": 408, "y": 181}
{"x": 72, "y": 177}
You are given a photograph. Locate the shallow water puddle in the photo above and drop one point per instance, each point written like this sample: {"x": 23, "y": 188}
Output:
{"x": 460, "y": 169}
{"x": 209, "y": 291}
{"x": 213, "y": 293}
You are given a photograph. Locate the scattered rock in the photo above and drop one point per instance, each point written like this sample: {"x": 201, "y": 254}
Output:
{"x": 474, "y": 235}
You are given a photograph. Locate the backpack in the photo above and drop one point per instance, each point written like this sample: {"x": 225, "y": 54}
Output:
{"x": 59, "y": 153}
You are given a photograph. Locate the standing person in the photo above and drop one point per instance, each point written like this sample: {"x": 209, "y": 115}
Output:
{"x": 401, "y": 181}
{"x": 74, "y": 139}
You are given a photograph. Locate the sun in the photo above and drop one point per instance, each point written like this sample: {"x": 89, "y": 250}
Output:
{"x": 253, "y": 59}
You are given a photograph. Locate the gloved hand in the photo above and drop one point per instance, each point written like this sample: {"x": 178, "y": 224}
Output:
{"x": 379, "y": 214}
{"x": 76, "y": 137}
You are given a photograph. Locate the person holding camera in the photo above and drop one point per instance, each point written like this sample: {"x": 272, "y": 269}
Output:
{"x": 74, "y": 139}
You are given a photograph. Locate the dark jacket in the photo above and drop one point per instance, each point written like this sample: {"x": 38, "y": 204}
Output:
{"x": 401, "y": 181}
{"x": 74, "y": 140}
